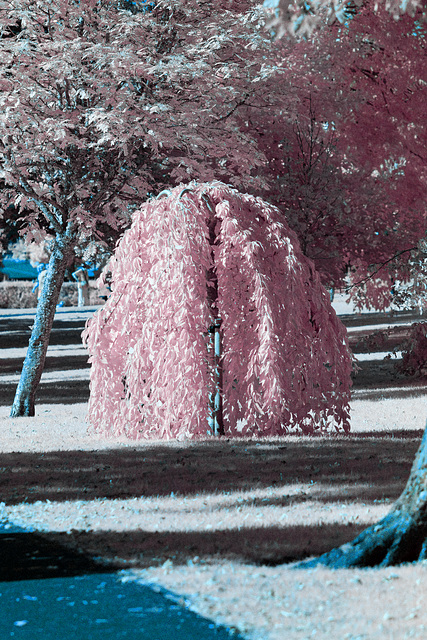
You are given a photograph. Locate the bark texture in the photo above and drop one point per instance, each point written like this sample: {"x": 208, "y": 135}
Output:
{"x": 401, "y": 536}
{"x": 32, "y": 369}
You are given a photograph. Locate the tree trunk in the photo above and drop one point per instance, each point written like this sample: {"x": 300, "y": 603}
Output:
{"x": 32, "y": 369}
{"x": 216, "y": 393}
{"x": 401, "y": 536}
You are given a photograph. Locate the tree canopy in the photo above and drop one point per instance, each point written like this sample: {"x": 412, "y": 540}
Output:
{"x": 349, "y": 159}
{"x": 207, "y": 259}
{"x": 100, "y": 105}
{"x": 104, "y": 103}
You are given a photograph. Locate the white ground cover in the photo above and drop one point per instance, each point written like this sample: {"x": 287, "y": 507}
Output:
{"x": 63, "y": 427}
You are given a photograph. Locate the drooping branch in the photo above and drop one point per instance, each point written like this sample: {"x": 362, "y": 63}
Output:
{"x": 206, "y": 256}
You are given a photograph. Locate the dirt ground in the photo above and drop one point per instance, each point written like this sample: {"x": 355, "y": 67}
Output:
{"x": 220, "y": 522}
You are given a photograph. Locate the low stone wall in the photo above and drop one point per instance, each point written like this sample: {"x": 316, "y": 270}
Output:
{"x": 16, "y": 294}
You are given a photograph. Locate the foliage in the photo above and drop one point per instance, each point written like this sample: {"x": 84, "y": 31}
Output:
{"x": 99, "y": 106}
{"x": 319, "y": 200}
{"x": 35, "y": 252}
{"x": 347, "y": 162}
{"x": 414, "y": 356}
{"x": 123, "y": 119}
{"x": 390, "y": 75}
{"x": 301, "y": 17}
{"x": 414, "y": 292}
{"x": 285, "y": 364}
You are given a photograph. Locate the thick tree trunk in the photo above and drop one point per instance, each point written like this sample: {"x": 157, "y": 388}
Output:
{"x": 401, "y": 536}
{"x": 23, "y": 404}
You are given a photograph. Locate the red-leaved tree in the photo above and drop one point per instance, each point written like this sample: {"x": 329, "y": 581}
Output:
{"x": 104, "y": 102}
{"x": 347, "y": 164}
{"x": 383, "y": 59}
{"x": 205, "y": 264}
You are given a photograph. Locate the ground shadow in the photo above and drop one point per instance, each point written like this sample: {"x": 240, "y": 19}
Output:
{"x": 15, "y": 331}
{"x": 380, "y": 317}
{"x": 29, "y": 556}
{"x": 361, "y": 467}
{"x": 414, "y": 389}
{"x": 254, "y": 545}
{"x": 343, "y": 470}
{"x": 57, "y": 363}
{"x": 57, "y": 392}
{"x": 374, "y": 374}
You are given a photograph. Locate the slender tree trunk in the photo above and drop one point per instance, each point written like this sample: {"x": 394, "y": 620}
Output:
{"x": 23, "y": 404}
{"x": 216, "y": 409}
{"x": 401, "y": 536}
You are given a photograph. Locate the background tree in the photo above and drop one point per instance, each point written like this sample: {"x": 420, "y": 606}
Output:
{"x": 393, "y": 115}
{"x": 388, "y": 72}
{"x": 207, "y": 259}
{"x": 100, "y": 106}
{"x": 309, "y": 184}
{"x": 347, "y": 167}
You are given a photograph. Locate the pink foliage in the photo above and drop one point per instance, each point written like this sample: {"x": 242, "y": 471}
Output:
{"x": 414, "y": 358}
{"x": 100, "y": 105}
{"x": 346, "y": 157}
{"x": 286, "y": 364}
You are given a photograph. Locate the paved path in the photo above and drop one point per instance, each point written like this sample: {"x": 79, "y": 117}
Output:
{"x": 97, "y": 607}
{"x": 50, "y": 593}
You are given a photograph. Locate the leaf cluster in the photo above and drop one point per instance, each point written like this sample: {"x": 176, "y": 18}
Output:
{"x": 414, "y": 351}
{"x": 346, "y": 157}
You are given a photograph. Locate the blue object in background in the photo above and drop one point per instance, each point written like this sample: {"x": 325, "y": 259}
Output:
{"x": 22, "y": 270}
{"x": 18, "y": 269}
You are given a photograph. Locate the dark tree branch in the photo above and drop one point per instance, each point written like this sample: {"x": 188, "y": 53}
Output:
{"x": 382, "y": 265}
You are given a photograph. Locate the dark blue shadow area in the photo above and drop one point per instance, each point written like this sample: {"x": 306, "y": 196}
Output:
{"x": 48, "y": 592}
{"x": 98, "y": 607}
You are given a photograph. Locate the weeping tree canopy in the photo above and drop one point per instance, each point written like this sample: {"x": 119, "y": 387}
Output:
{"x": 213, "y": 298}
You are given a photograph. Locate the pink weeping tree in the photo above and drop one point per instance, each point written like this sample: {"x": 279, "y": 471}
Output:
{"x": 216, "y": 324}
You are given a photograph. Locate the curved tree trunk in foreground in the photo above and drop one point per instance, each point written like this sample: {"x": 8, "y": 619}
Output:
{"x": 32, "y": 369}
{"x": 401, "y": 536}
